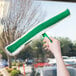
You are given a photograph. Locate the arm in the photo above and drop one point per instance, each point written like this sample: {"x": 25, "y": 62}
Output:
{"x": 54, "y": 47}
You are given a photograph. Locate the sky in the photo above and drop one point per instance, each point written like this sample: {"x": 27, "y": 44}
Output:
{"x": 66, "y": 27}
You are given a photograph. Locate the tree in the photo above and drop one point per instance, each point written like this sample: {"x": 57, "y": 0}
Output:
{"x": 22, "y": 15}
{"x": 66, "y": 45}
{"x": 37, "y": 49}
{"x": 3, "y": 54}
{"x": 26, "y": 53}
{"x": 73, "y": 52}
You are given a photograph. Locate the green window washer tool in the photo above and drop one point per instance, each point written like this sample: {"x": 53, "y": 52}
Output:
{"x": 15, "y": 47}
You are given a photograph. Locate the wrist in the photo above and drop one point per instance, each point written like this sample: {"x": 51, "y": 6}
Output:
{"x": 58, "y": 56}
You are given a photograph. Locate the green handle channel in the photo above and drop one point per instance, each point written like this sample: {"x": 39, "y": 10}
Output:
{"x": 11, "y": 48}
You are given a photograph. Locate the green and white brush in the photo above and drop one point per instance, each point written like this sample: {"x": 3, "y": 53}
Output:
{"x": 15, "y": 47}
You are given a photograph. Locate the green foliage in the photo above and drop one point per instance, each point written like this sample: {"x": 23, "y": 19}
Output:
{"x": 19, "y": 64}
{"x": 38, "y": 50}
{"x": 9, "y": 69}
{"x": 15, "y": 73}
{"x": 15, "y": 68}
{"x": 66, "y": 46}
{"x": 18, "y": 71}
{"x": 13, "y": 63}
{"x": 27, "y": 52}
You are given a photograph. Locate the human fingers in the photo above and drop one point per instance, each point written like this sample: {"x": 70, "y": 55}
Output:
{"x": 46, "y": 48}
{"x": 46, "y": 40}
{"x": 45, "y": 45}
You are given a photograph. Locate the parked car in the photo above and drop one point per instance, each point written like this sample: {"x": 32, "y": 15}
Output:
{"x": 51, "y": 71}
{"x": 51, "y": 60}
{"x": 65, "y": 57}
{"x": 29, "y": 61}
{"x": 3, "y": 63}
{"x": 69, "y": 59}
{"x": 72, "y": 63}
{"x": 73, "y": 58}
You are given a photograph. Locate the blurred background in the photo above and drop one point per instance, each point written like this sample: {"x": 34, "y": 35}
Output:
{"x": 17, "y": 17}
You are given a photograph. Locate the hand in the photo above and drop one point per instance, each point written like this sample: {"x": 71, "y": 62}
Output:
{"x": 54, "y": 47}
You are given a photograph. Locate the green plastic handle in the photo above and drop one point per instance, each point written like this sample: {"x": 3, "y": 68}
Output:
{"x": 45, "y": 35}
